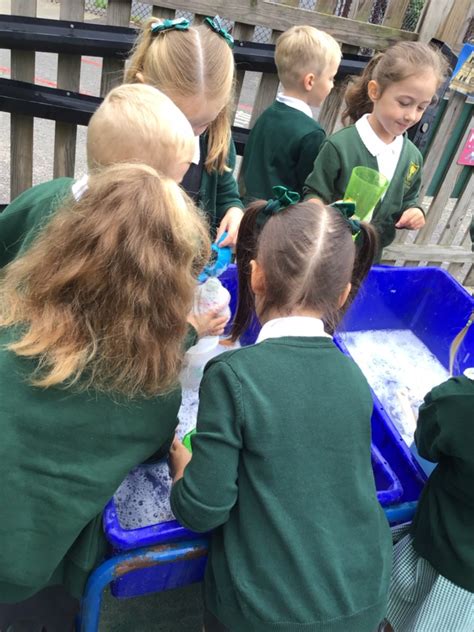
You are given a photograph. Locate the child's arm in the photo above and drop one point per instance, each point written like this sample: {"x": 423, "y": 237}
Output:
{"x": 203, "y": 498}
{"x": 412, "y": 217}
{"x": 322, "y": 181}
{"x": 309, "y": 149}
{"x": 228, "y": 204}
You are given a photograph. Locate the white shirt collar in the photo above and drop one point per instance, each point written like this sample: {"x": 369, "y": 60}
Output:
{"x": 80, "y": 187}
{"x": 306, "y": 326}
{"x": 295, "y": 103}
{"x": 374, "y": 144}
{"x": 197, "y": 151}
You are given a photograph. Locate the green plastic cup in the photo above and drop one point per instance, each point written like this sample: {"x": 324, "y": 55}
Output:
{"x": 366, "y": 187}
{"x": 187, "y": 439}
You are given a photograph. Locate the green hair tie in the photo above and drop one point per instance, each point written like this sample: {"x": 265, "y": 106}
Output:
{"x": 180, "y": 24}
{"x": 283, "y": 198}
{"x": 216, "y": 25}
{"x": 347, "y": 210}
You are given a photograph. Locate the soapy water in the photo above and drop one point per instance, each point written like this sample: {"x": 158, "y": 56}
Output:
{"x": 143, "y": 498}
{"x": 400, "y": 369}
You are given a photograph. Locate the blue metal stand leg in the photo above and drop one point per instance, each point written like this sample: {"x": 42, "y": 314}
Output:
{"x": 120, "y": 565}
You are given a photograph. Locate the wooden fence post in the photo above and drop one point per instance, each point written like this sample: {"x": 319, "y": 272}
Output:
{"x": 118, "y": 14}
{"x": 432, "y": 16}
{"x": 69, "y": 78}
{"x": 21, "y": 127}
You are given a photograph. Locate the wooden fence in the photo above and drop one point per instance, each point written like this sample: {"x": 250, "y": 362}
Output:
{"x": 444, "y": 240}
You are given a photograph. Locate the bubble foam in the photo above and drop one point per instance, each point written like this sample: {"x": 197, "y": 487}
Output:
{"x": 400, "y": 369}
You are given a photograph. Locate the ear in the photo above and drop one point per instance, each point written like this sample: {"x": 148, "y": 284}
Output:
{"x": 139, "y": 77}
{"x": 257, "y": 278}
{"x": 373, "y": 90}
{"x": 344, "y": 295}
{"x": 308, "y": 81}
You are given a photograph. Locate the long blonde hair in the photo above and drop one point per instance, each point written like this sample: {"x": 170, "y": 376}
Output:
{"x": 102, "y": 296}
{"x": 195, "y": 62}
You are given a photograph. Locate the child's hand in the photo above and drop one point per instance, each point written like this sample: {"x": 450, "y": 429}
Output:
{"x": 230, "y": 223}
{"x": 178, "y": 459}
{"x": 209, "y": 323}
{"x": 412, "y": 219}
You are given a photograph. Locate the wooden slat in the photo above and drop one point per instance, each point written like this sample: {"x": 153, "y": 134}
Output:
{"x": 243, "y": 33}
{"x": 444, "y": 132}
{"x": 162, "y": 14}
{"x": 331, "y": 110}
{"x": 456, "y": 269}
{"x": 268, "y": 87}
{"x": 360, "y": 10}
{"x": 326, "y": 6}
{"x": 279, "y": 17}
{"x": 69, "y": 78}
{"x": 395, "y": 13}
{"x": 428, "y": 252}
{"x": 21, "y": 127}
{"x": 454, "y": 27}
{"x": 439, "y": 203}
{"x": 267, "y": 90}
{"x": 458, "y": 214}
{"x": 118, "y": 14}
{"x": 434, "y": 12}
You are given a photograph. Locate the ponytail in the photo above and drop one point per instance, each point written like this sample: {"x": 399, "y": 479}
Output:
{"x": 357, "y": 98}
{"x": 246, "y": 250}
{"x": 456, "y": 343}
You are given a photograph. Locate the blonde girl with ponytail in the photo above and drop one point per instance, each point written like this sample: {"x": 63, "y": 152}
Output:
{"x": 194, "y": 66}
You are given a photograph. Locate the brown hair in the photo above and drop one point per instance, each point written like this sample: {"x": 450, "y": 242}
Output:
{"x": 400, "y": 61}
{"x": 102, "y": 296}
{"x": 303, "y": 49}
{"x": 308, "y": 257}
{"x": 196, "y": 62}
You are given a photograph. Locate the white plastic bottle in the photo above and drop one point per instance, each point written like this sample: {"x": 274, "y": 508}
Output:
{"x": 208, "y": 296}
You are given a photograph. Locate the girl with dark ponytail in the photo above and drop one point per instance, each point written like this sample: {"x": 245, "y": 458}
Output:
{"x": 281, "y": 466}
{"x": 390, "y": 97}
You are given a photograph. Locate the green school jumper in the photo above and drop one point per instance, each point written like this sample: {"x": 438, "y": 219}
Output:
{"x": 343, "y": 151}
{"x": 443, "y": 527}
{"x": 218, "y": 191}
{"x": 21, "y": 221}
{"x": 63, "y": 454}
{"x": 281, "y": 150}
{"x": 281, "y": 469}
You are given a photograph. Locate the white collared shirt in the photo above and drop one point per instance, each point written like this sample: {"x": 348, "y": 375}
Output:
{"x": 197, "y": 151}
{"x": 80, "y": 187}
{"x": 387, "y": 155}
{"x": 295, "y": 103}
{"x": 306, "y": 326}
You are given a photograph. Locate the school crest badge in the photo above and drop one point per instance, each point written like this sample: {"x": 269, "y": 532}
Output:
{"x": 413, "y": 169}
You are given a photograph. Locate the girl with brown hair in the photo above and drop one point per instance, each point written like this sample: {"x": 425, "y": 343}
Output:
{"x": 194, "y": 66}
{"x": 281, "y": 466}
{"x": 93, "y": 322}
{"x": 390, "y": 97}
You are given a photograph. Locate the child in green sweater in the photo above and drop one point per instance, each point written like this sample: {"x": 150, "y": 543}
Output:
{"x": 281, "y": 467}
{"x": 285, "y": 139}
{"x": 94, "y": 307}
{"x": 390, "y": 97}
{"x": 432, "y": 584}
{"x": 194, "y": 66}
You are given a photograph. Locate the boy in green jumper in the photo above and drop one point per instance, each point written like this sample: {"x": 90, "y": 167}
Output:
{"x": 281, "y": 465}
{"x": 285, "y": 140}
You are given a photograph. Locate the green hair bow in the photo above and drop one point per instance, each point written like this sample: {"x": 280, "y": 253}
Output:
{"x": 347, "y": 210}
{"x": 283, "y": 198}
{"x": 216, "y": 25}
{"x": 180, "y": 24}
